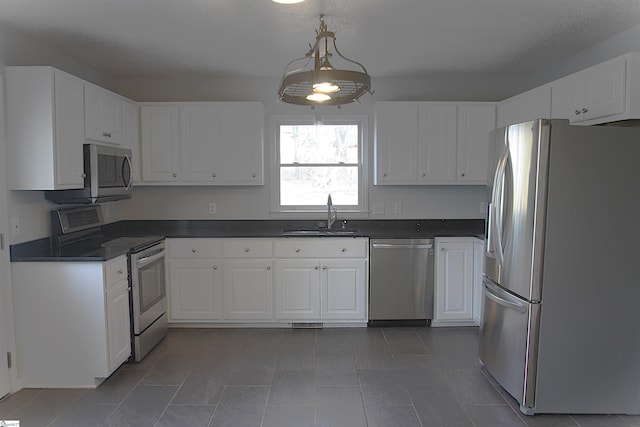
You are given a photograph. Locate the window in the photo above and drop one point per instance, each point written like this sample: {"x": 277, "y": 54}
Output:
{"x": 318, "y": 158}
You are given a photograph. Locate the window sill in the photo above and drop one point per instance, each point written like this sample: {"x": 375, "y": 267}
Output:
{"x": 318, "y": 214}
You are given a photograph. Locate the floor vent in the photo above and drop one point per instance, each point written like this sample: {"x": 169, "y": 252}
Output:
{"x": 306, "y": 325}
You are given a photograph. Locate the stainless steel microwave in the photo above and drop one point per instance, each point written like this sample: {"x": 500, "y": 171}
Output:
{"x": 107, "y": 177}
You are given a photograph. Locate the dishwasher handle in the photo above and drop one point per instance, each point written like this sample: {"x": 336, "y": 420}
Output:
{"x": 400, "y": 246}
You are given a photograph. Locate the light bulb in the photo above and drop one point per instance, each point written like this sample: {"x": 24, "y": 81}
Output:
{"x": 318, "y": 97}
{"x": 326, "y": 87}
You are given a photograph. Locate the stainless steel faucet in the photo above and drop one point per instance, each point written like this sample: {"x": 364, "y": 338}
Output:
{"x": 332, "y": 213}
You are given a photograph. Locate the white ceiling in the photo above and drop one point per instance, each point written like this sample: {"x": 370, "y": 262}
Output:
{"x": 257, "y": 38}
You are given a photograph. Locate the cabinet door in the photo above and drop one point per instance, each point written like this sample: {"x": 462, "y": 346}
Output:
{"x": 475, "y": 122}
{"x": 159, "y": 142}
{"x": 196, "y": 289}
{"x": 437, "y": 143}
{"x": 199, "y": 142}
{"x": 567, "y": 98}
{"x": 396, "y": 142}
{"x": 297, "y": 289}
{"x": 604, "y": 89}
{"x": 248, "y": 289}
{"x": 239, "y": 156}
{"x": 343, "y": 289}
{"x": 103, "y": 115}
{"x": 131, "y": 136}
{"x": 69, "y": 130}
{"x": 118, "y": 324}
{"x": 454, "y": 281}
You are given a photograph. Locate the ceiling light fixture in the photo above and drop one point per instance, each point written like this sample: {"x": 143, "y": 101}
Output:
{"x": 318, "y": 81}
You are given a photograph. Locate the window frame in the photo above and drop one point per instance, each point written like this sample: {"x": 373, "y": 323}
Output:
{"x": 320, "y": 119}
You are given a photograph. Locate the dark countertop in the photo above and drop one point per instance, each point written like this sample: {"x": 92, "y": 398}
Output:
{"x": 41, "y": 250}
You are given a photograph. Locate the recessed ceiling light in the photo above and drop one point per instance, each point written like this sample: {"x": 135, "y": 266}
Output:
{"x": 287, "y": 1}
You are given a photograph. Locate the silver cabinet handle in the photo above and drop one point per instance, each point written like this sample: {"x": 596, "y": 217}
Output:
{"x": 107, "y": 134}
{"x": 215, "y": 267}
{"x": 343, "y": 250}
{"x": 84, "y": 175}
{"x": 384, "y": 175}
{"x": 324, "y": 267}
{"x": 584, "y": 110}
{"x": 316, "y": 267}
{"x": 253, "y": 175}
{"x": 175, "y": 175}
{"x": 214, "y": 175}
{"x": 297, "y": 249}
{"x": 120, "y": 272}
{"x": 193, "y": 250}
{"x": 246, "y": 249}
{"x": 577, "y": 112}
{"x": 462, "y": 174}
{"x": 268, "y": 267}
{"x": 423, "y": 174}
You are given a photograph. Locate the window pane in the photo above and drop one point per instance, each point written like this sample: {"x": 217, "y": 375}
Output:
{"x": 318, "y": 144}
{"x": 312, "y": 185}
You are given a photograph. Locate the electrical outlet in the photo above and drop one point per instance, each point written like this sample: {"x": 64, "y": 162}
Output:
{"x": 397, "y": 208}
{"x": 15, "y": 226}
{"x": 212, "y": 208}
{"x": 377, "y": 208}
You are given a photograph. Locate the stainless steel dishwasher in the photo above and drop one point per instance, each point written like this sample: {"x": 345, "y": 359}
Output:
{"x": 401, "y": 279}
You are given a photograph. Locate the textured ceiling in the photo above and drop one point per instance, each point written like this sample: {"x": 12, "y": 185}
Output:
{"x": 257, "y": 38}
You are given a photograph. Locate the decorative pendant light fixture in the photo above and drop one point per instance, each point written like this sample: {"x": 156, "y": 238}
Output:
{"x": 318, "y": 82}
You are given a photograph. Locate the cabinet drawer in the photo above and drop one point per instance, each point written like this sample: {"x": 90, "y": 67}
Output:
{"x": 195, "y": 248}
{"x": 115, "y": 270}
{"x": 321, "y": 248}
{"x": 247, "y": 248}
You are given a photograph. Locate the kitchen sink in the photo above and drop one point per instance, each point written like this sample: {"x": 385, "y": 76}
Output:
{"x": 321, "y": 232}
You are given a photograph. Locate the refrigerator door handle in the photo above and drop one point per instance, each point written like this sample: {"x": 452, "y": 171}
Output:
{"x": 498, "y": 205}
{"x": 522, "y": 308}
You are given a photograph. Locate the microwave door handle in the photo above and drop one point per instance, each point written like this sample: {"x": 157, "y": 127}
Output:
{"x": 127, "y": 163}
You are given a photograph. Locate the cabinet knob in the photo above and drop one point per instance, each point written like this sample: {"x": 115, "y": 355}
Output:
{"x": 193, "y": 250}
{"x": 213, "y": 175}
{"x": 584, "y": 110}
{"x": 253, "y": 175}
{"x": 343, "y": 250}
{"x": 215, "y": 267}
{"x": 384, "y": 175}
{"x": 324, "y": 267}
{"x": 120, "y": 272}
{"x": 297, "y": 249}
{"x": 462, "y": 174}
{"x": 423, "y": 174}
{"x": 246, "y": 249}
{"x": 577, "y": 112}
{"x": 316, "y": 267}
{"x": 268, "y": 267}
{"x": 84, "y": 175}
{"x": 175, "y": 175}
{"x": 107, "y": 134}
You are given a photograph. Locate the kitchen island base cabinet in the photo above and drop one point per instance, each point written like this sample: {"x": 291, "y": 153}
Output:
{"x": 72, "y": 322}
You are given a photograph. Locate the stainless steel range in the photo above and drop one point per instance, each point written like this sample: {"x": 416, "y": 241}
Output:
{"x": 81, "y": 226}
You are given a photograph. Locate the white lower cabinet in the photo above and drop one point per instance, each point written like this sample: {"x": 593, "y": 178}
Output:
{"x": 297, "y": 289}
{"x": 258, "y": 280}
{"x": 85, "y": 306}
{"x": 454, "y": 281}
{"x": 248, "y": 289}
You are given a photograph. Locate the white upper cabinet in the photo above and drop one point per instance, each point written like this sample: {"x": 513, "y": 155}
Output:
{"x": 45, "y": 129}
{"x": 131, "y": 136}
{"x": 604, "y": 93}
{"x": 159, "y": 143}
{"x": 475, "y": 122}
{"x": 432, "y": 143}
{"x": 218, "y": 143}
{"x": 529, "y": 105}
{"x": 103, "y": 115}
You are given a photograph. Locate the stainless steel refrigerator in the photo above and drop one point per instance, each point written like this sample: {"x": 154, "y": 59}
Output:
{"x": 560, "y": 327}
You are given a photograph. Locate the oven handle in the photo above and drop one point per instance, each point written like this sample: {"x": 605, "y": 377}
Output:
{"x": 149, "y": 259}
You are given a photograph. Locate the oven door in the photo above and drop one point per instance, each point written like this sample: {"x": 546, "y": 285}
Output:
{"x": 148, "y": 287}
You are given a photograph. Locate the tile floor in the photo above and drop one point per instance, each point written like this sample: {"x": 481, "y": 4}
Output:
{"x": 393, "y": 377}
